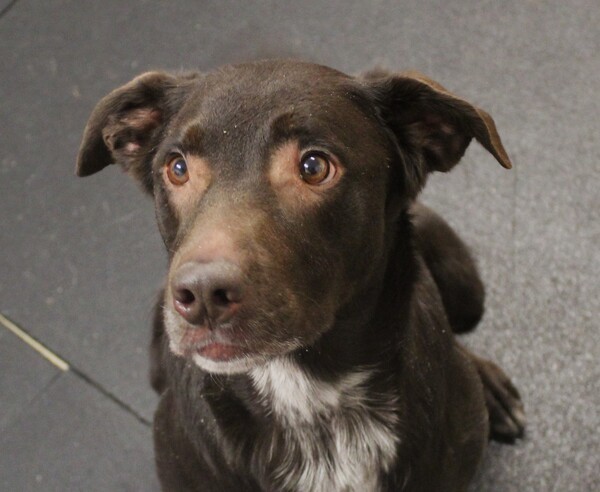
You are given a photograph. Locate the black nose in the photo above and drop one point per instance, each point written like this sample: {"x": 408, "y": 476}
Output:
{"x": 207, "y": 294}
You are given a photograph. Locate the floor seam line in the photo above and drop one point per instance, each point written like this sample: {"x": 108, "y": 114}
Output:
{"x": 65, "y": 366}
{"x": 115, "y": 399}
{"x": 34, "y": 343}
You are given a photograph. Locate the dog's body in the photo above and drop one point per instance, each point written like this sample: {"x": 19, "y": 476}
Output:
{"x": 305, "y": 338}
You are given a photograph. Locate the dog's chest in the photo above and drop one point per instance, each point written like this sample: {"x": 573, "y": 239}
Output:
{"x": 327, "y": 436}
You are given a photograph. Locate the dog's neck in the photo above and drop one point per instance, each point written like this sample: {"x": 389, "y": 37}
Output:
{"x": 296, "y": 396}
{"x": 359, "y": 424}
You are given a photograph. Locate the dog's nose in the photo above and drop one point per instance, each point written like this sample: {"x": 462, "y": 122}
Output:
{"x": 207, "y": 294}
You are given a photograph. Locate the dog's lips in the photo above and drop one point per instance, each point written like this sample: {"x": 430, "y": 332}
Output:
{"x": 221, "y": 352}
{"x": 219, "y": 345}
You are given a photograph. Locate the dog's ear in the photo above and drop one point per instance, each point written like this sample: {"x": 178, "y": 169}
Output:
{"x": 125, "y": 126}
{"x": 431, "y": 125}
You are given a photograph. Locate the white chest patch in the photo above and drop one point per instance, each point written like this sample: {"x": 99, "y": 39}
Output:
{"x": 337, "y": 438}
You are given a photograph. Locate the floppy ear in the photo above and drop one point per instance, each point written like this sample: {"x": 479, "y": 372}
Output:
{"x": 431, "y": 125}
{"x": 125, "y": 126}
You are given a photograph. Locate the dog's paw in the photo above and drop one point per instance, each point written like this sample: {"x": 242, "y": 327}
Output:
{"x": 505, "y": 408}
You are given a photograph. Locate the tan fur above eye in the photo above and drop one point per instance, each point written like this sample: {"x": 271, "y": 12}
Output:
{"x": 291, "y": 182}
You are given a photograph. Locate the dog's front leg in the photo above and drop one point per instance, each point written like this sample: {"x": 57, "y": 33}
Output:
{"x": 503, "y": 401}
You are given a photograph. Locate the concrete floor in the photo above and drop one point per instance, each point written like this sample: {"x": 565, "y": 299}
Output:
{"x": 81, "y": 260}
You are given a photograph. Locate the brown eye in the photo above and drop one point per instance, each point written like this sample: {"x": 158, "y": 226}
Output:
{"x": 316, "y": 169}
{"x": 177, "y": 171}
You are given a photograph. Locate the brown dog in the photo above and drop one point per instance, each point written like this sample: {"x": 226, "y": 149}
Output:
{"x": 304, "y": 340}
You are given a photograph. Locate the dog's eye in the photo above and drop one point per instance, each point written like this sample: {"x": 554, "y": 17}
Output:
{"x": 177, "y": 171}
{"x": 316, "y": 169}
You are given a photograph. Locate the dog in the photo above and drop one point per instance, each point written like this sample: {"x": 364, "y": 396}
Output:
{"x": 305, "y": 338}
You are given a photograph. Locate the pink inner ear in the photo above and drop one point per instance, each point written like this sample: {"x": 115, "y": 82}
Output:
{"x": 142, "y": 119}
{"x": 132, "y": 147}
{"x": 129, "y": 132}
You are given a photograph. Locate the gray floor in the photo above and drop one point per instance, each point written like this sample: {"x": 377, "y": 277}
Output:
{"x": 81, "y": 260}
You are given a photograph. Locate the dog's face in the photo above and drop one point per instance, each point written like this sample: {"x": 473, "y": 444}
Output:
{"x": 276, "y": 187}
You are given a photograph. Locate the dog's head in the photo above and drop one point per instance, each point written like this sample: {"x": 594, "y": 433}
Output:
{"x": 277, "y": 185}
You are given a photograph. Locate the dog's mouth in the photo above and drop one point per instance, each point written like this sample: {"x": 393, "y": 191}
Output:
{"x": 221, "y": 352}
{"x": 231, "y": 348}
{"x": 220, "y": 346}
